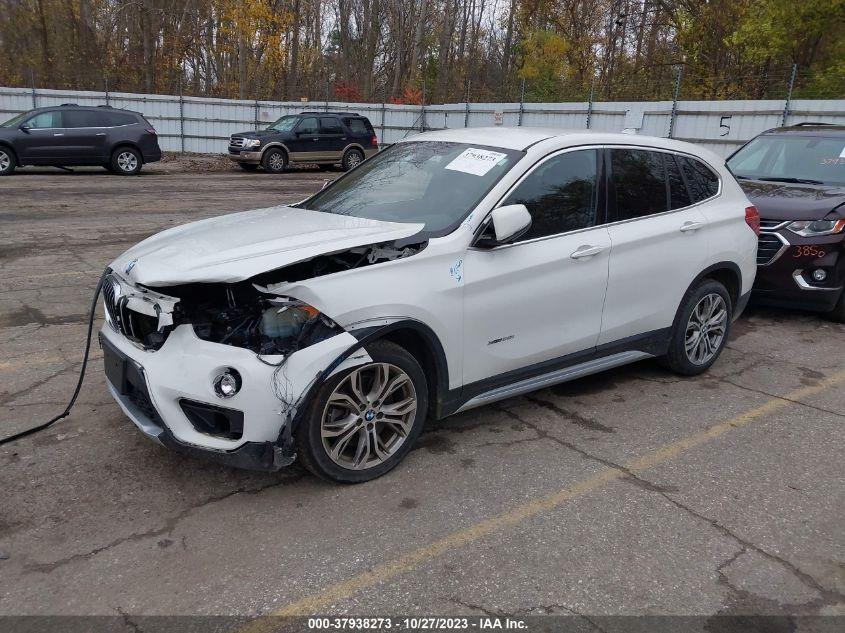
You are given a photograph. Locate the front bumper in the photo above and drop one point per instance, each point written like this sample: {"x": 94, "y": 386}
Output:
{"x": 253, "y": 158}
{"x": 151, "y": 387}
{"x": 786, "y": 279}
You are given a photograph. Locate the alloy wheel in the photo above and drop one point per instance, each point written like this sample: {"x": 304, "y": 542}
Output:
{"x": 5, "y": 161}
{"x": 353, "y": 160}
{"x": 277, "y": 162}
{"x": 127, "y": 161}
{"x": 706, "y": 329}
{"x": 368, "y": 416}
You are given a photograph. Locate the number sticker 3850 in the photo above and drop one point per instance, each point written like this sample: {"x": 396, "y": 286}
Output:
{"x": 808, "y": 250}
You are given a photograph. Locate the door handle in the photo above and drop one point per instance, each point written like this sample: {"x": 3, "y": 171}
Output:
{"x": 58, "y": 134}
{"x": 100, "y": 134}
{"x": 691, "y": 226}
{"x": 586, "y": 251}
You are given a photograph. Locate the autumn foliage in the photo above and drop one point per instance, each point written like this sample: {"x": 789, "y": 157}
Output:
{"x": 388, "y": 50}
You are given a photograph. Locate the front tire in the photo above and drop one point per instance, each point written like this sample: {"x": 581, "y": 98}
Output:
{"x": 126, "y": 161}
{"x": 838, "y": 312}
{"x": 351, "y": 159}
{"x": 701, "y": 329}
{"x": 275, "y": 161}
{"x": 7, "y": 162}
{"x": 364, "y": 421}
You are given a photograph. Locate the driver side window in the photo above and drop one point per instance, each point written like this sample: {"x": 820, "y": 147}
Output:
{"x": 45, "y": 120}
{"x": 560, "y": 194}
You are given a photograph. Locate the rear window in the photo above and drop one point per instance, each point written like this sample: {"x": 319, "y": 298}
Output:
{"x": 639, "y": 183}
{"x": 330, "y": 125}
{"x": 83, "y": 118}
{"x": 115, "y": 119}
{"x": 359, "y": 127}
{"x": 678, "y": 195}
{"x": 701, "y": 180}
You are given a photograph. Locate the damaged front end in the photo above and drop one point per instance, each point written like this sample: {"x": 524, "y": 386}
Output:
{"x": 175, "y": 342}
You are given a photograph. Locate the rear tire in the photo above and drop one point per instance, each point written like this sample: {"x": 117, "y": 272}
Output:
{"x": 247, "y": 166}
{"x": 353, "y": 431}
{"x": 126, "y": 161}
{"x": 275, "y": 161}
{"x": 8, "y": 162}
{"x": 701, "y": 329}
{"x": 351, "y": 159}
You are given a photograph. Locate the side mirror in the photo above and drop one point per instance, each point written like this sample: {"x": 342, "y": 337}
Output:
{"x": 508, "y": 223}
{"x": 24, "y": 128}
{"x": 326, "y": 183}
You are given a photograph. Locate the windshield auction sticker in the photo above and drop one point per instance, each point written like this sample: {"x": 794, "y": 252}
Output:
{"x": 476, "y": 161}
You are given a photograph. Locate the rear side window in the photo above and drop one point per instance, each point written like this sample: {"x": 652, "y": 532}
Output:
{"x": 678, "y": 195}
{"x": 45, "y": 120}
{"x": 115, "y": 119}
{"x": 560, "y": 194}
{"x": 701, "y": 180}
{"x": 330, "y": 125}
{"x": 83, "y": 118}
{"x": 308, "y": 126}
{"x": 359, "y": 127}
{"x": 639, "y": 183}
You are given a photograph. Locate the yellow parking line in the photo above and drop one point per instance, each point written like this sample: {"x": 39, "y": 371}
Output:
{"x": 344, "y": 589}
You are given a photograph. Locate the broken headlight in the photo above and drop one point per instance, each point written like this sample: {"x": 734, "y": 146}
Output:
{"x": 265, "y": 325}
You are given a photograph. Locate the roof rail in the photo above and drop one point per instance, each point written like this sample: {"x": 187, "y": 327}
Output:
{"x": 335, "y": 113}
{"x": 811, "y": 123}
{"x": 67, "y": 104}
{"x": 104, "y": 106}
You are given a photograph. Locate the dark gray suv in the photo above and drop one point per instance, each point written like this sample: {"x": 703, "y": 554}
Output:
{"x": 70, "y": 135}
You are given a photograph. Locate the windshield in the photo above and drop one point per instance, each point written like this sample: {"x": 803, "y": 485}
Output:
{"x": 428, "y": 182}
{"x": 285, "y": 124}
{"x": 15, "y": 120}
{"x": 802, "y": 159}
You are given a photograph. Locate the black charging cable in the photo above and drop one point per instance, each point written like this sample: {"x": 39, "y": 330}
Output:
{"x": 66, "y": 412}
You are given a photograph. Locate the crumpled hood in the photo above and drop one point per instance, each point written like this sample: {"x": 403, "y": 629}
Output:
{"x": 784, "y": 201}
{"x": 238, "y": 246}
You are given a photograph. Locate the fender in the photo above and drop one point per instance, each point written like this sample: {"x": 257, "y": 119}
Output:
{"x": 357, "y": 146}
{"x": 275, "y": 144}
{"x": 720, "y": 266}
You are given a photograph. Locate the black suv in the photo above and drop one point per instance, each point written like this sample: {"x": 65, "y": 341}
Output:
{"x": 72, "y": 135}
{"x": 324, "y": 138}
{"x": 795, "y": 176}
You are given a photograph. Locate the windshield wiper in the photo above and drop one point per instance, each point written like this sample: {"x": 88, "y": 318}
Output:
{"x": 801, "y": 181}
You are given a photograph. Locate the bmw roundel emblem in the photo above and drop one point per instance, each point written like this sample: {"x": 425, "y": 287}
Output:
{"x": 130, "y": 266}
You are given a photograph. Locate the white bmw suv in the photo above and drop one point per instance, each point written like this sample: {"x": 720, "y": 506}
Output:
{"x": 452, "y": 270}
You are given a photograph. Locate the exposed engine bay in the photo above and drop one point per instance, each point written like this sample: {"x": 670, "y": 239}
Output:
{"x": 246, "y": 314}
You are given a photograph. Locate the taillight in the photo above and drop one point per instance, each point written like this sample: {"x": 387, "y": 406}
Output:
{"x": 152, "y": 131}
{"x": 752, "y": 219}
{"x": 374, "y": 141}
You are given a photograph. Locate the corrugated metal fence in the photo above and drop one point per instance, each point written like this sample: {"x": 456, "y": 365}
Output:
{"x": 203, "y": 124}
